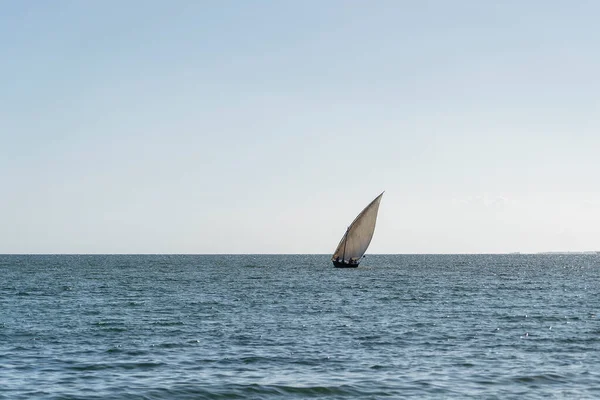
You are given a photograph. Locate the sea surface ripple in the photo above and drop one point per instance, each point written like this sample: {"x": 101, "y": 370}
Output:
{"x": 292, "y": 326}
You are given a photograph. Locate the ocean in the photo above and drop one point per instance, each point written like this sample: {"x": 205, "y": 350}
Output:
{"x": 292, "y": 326}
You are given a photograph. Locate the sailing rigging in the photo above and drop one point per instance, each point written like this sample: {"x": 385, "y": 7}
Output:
{"x": 357, "y": 238}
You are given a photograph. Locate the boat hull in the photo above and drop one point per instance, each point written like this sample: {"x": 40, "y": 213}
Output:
{"x": 340, "y": 264}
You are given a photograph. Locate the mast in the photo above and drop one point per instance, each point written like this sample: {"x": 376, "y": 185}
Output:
{"x": 345, "y": 241}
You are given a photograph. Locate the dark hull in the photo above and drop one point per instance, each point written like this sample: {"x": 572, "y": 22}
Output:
{"x": 339, "y": 264}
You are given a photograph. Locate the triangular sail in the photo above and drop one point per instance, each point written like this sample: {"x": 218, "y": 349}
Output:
{"x": 358, "y": 236}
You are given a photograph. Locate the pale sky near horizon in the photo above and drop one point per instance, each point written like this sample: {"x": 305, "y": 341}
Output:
{"x": 266, "y": 126}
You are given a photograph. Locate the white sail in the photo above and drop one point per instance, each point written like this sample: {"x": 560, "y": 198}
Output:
{"x": 358, "y": 236}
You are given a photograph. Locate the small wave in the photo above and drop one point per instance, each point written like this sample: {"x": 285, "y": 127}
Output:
{"x": 116, "y": 349}
{"x": 168, "y": 323}
{"x": 125, "y": 365}
{"x": 378, "y": 367}
{"x": 369, "y": 337}
{"x": 264, "y": 391}
{"x": 170, "y": 345}
{"x": 114, "y": 329}
{"x": 311, "y": 391}
{"x": 541, "y": 378}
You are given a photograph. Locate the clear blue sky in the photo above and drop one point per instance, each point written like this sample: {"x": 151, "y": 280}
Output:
{"x": 266, "y": 126}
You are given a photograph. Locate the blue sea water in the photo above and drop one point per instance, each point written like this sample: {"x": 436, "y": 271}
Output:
{"x": 292, "y": 326}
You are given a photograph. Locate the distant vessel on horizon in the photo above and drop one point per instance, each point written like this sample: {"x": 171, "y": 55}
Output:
{"x": 356, "y": 240}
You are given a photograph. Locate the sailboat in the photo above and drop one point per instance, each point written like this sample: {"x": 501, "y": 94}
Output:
{"x": 357, "y": 238}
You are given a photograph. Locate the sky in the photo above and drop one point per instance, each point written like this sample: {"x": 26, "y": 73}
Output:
{"x": 266, "y": 126}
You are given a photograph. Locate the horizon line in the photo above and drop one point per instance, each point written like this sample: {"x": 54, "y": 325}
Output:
{"x": 557, "y": 252}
